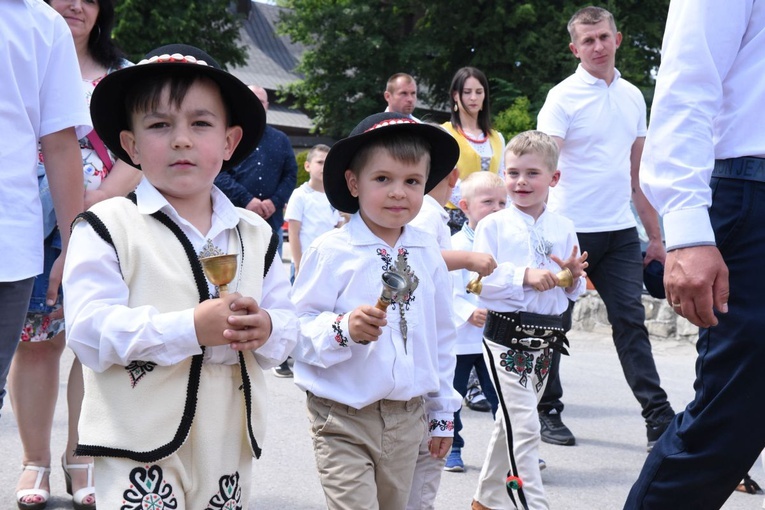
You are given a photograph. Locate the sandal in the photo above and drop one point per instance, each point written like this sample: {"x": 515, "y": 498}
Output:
{"x": 79, "y": 496}
{"x": 36, "y": 491}
{"x": 749, "y": 486}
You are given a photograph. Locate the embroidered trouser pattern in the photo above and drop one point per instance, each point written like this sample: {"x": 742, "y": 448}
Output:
{"x": 211, "y": 471}
{"x": 519, "y": 377}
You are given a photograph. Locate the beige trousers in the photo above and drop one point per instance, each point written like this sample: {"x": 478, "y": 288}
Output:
{"x": 366, "y": 457}
{"x": 212, "y": 469}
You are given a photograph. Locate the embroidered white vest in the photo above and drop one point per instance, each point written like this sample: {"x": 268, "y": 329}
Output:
{"x": 146, "y": 415}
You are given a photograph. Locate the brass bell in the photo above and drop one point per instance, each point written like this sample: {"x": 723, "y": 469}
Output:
{"x": 475, "y": 286}
{"x": 220, "y": 270}
{"x": 565, "y": 278}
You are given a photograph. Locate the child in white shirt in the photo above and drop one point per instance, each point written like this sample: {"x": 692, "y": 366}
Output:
{"x": 377, "y": 380}
{"x": 309, "y": 213}
{"x": 527, "y": 298}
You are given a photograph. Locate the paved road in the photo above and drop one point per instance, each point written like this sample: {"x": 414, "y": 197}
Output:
{"x": 594, "y": 474}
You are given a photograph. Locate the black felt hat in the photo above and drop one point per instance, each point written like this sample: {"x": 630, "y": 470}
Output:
{"x": 444, "y": 152}
{"x": 653, "y": 279}
{"x": 107, "y": 105}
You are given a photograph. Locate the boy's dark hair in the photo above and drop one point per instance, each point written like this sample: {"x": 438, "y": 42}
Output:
{"x": 145, "y": 95}
{"x": 319, "y": 147}
{"x": 458, "y": 84}
{"x": 402, "y": 147}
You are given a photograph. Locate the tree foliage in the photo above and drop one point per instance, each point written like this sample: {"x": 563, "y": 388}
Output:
{"x": 522, "y": 46}
{"x": 142, "y": 25}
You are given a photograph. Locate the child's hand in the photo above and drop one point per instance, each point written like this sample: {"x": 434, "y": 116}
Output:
{"x": 365, "y": 323}
{"x": 248, "y": 332}
{"x": 540, "y": 279}
{"x": 440, "y": 446}
{"x": 481, "y": 263}
{"x": 575, "y": 264}
{"x": 211, "y": 319}
{"x": 478, "y": 317}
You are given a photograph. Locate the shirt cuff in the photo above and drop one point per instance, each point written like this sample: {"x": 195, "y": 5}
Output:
{"x": 688, "y": 227}
{"x": 441, "y": 425}
{"x": 180, "y": 327}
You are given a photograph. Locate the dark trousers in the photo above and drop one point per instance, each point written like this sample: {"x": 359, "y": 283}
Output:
{"x": 14, "y": 297}
{"x": 616, "y": 270}
{"x": 709, "y": 447}
{"x": 465, "y": 363}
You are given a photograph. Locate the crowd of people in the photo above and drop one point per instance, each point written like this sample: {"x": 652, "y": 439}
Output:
{"x": 421, "y": 254}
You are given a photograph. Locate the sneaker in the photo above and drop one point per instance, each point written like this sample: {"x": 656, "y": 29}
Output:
{"x": 454, "y": 462}
{"x": 654, "y": 432}
{"x": 542, "y": 464}
{"x": 283, "y": 370}
{"x": 476, "y": 400}
{"x": 553, "y": 430}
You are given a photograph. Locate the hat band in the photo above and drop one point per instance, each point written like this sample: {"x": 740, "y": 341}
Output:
{"x": 174, "y": 58}
{"x": 391, "y": 122}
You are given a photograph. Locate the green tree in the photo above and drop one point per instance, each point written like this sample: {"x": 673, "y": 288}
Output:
{"x": 356, "y": 44}
{"x": 142, "y": 25}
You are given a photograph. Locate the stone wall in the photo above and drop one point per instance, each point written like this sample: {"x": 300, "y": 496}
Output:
{"x": 662, "y": 322}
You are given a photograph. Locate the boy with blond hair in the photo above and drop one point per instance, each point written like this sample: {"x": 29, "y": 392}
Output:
{"x": 482, "y": 194}
{"x": 527, "y": 297}
{"x": 377, "y": 376}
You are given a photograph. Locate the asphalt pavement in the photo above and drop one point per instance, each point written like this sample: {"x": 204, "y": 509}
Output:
{"x": 595, "y": 474}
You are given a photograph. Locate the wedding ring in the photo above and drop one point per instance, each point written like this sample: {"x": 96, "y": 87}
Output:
{"x": 676, "y": 305}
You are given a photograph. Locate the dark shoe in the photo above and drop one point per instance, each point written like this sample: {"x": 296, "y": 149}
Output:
{"x": 554, "y": 431}
{"x": 283, "y": 370}
{"x": 476, "y": 400}
{"x": 654, "y": 432}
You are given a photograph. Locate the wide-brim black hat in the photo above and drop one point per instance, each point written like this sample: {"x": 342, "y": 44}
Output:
{"x": 653, "y": 279}
{"x": 444, "y": 152}
{"x": 107, "y": 105}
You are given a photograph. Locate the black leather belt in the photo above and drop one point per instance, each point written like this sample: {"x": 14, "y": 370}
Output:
{"x": 528, "y": 331}
{"x": 746, "y": 168}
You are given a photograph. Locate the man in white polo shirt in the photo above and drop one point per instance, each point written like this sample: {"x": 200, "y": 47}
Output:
{"x": 598, "y": 120}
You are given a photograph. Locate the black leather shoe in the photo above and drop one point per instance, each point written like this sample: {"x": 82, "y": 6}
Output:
{"x": 654, "y": 432}
{"x": 554, "y": 431}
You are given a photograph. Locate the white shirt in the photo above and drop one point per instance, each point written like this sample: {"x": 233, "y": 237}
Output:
{"x": 314, "y": 212}
{"x": 708, "y": 105}
{"x": 40, "y": 94}
{"x": 469, "y": 337}
{"x": 103, "y": 331}
{"x": 434, "y": 219}
{"x": 341, "y": 271}
{"x": 517, "y": 242}
{"x": 598, "y": 123}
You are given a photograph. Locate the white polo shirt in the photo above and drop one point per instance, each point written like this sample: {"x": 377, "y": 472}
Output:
{"x": 40, "y": 94}
{"x": 599, "y": 123}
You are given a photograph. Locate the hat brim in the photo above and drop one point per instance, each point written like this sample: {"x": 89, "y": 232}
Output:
{"x": 444, "y": 153}
{"x": 109, "y": 116}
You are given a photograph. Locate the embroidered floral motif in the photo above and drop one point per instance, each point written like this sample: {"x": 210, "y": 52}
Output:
{"x": 137, "y": 369}
{"x": 148, "y": 490}
{"x": 518, "y": 362}
{"x": 401, "y": 266}
{"x": 340, "y": 338}
{"x": 386, "y": 258}
{"x": 441, "y": 425}
{"x": 229, "y": 494}
{"x": 542, "y": 368}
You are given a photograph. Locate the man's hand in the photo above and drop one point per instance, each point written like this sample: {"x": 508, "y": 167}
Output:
{"x": 655, "y": 251}
{"x": 256, "y": 206}
{"x": 696, "y": 282}
{"x": 268, "y": 208}
{"x": 54, "y": 282}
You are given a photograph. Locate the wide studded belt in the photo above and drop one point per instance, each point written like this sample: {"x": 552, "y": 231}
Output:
{"x": 528, "y": 331}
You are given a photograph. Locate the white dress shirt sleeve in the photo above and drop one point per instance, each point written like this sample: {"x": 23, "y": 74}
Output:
{"x": 100, "y": 326}
{"x": 506, "y": 282}
{"x": 679, "y": 155}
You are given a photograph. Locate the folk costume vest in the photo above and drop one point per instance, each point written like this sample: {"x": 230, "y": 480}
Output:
{"x": 144, "y": 411}
{"x": 470, "y": 161}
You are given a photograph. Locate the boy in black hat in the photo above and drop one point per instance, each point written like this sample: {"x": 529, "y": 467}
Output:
{"x": 376, "y": 379}
{"x": 173, "y": 409}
